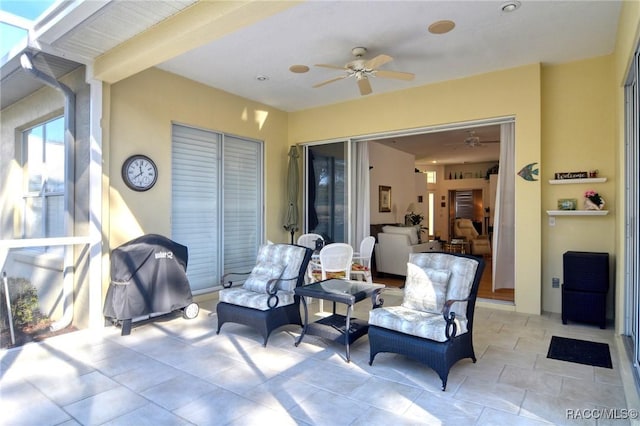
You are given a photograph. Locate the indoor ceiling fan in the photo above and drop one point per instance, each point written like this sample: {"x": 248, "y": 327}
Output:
{"x": 362, "y": 69}
{"x": 473, "y": 141}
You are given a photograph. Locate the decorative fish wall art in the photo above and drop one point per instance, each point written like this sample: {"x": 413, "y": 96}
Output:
{"x": 528, "y": 172}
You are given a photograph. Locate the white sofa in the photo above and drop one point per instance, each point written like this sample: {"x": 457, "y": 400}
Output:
{"x": 395, "y": 243}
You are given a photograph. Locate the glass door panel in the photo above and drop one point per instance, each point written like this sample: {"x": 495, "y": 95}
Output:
{"x": 326, "y": 186}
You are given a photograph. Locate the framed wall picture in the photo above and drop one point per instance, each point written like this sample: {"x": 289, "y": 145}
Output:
{"x": 384, "y": 198}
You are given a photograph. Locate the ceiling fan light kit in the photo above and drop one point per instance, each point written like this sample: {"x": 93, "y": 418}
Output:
{"x": 441, "y": 27}
{"x": 299, "y": 69}
{"x": 362, "y": 69}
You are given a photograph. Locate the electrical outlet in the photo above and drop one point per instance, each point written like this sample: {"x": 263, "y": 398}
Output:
{"x": 555, "y": 282}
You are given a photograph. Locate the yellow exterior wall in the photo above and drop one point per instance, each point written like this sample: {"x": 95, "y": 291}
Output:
{"x": 578, "y": 134}
{"x": 142, "y": 109}
{"x": 514, "y": 92}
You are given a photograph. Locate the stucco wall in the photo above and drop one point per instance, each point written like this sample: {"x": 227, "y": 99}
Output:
{"x": 142, "y": 109}
{"x": 578, "y": 132}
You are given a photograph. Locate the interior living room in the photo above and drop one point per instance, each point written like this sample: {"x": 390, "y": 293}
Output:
{"x": 220, "y": 100}
{"x": 455, "y": 173}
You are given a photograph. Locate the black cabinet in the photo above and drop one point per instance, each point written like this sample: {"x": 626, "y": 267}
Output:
{"x": 585, "y": 287}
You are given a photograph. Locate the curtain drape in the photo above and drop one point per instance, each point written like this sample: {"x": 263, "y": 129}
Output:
{"x": 361, "y": 191}
{"x": 504, "y": 218}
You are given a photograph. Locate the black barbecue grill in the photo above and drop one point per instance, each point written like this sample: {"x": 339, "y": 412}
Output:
{"x": 148, "y": 279}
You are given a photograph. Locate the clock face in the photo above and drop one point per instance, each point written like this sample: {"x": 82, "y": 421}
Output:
{"x": 139, "y": 172}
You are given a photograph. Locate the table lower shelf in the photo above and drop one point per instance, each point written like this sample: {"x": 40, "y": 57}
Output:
{"x": 333, "y": 328}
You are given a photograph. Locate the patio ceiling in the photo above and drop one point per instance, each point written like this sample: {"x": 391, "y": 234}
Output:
{"x": 247, "y": 47}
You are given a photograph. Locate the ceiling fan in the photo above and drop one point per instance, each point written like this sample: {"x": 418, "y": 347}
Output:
{"x": 362, "y": 69}
{"x": 473, "y": 141}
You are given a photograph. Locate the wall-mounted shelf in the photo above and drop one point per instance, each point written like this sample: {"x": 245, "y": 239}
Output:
{"x": 577, "y": 212}
{"x": 583, "y": 180}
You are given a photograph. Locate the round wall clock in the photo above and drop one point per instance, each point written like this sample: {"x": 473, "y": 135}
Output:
{"x": 139, "y": 172}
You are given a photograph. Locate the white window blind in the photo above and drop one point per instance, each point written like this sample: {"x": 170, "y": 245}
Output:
{"x": 195, "y": 202}
{"x": 216, "y": 202}
{"x": 242, "y": 203}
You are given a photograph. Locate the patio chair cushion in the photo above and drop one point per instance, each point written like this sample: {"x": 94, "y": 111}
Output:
{"x": 425, "y": 288}
{"x": 288, "y": 255}
{"x": 462, "y": 275}
{"x": 264, "y": 277}
{"x": 415, "y": 322}
{"x": 251, "y": 299}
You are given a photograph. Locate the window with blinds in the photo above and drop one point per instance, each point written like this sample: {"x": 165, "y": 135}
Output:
{"x": 217, "y": 187}
{"x": 464, "y": 204}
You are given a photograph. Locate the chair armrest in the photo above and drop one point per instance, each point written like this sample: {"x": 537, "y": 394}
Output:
{"x": 230, "y": 282}
{"x": 451, "y": 328}
{"x": 272, "y": 301}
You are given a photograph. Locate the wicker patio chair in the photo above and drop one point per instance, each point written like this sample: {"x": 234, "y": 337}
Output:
{"x": 434, "y": 323}
{"x": 266, "y": 299}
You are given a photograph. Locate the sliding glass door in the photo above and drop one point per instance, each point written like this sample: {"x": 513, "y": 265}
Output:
{"x": 326, "y": 192}
{"x": 632, "y": 207}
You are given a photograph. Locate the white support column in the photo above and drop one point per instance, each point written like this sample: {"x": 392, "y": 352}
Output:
{"x": 96, "y": 318}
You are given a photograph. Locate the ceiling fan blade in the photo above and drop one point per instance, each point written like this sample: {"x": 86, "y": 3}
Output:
{"x": 378, "y": 61}
{"x": 330, "y": 81}
{"x": 364, "y": 86}
{"x": 333, "y": 67}
{"x": 394, "y": 74}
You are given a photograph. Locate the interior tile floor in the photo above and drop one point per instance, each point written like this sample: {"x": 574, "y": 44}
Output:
{"x": 174, "y": 371}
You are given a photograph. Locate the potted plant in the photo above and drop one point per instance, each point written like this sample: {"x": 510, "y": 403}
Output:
{"x": 415, "y": 219}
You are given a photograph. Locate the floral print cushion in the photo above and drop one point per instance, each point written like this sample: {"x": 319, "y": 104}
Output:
{"x": 251, "y": 299}
{"x": 317, "y": 273}
{"x": 462, "y": 272}
{"x": 290, "y": 256}
{"x": 263, "y": 277}
{"x": 425, "y": 288}
{"x": 430, "y": 325}
{"x": 414, "y": 322}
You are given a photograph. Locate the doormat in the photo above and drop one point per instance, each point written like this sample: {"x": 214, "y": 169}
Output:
{"x": 580, "y": 351}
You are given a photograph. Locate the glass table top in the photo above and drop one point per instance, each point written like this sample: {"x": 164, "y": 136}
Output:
{"x": 337, "y": 288}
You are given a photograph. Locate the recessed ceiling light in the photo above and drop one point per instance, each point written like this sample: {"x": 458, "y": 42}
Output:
{"x": 441, "y": 27}
{"x": 262, "y": 78}
{"x": 299, "y": 69}
{"x": 510, "y": 6}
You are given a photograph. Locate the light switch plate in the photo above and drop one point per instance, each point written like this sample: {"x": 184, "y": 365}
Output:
{"x": 552, "y": 221}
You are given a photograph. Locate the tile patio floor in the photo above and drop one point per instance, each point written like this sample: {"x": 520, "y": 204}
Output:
{"x": 179, "y": 372}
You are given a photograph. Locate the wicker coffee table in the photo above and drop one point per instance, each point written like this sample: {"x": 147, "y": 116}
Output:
{"x": 336, "y": 327}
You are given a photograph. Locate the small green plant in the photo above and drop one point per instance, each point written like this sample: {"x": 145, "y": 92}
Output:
{"x": 24, "y": 304}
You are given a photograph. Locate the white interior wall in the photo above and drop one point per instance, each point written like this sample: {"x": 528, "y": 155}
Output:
{"x": 393, "y": 168}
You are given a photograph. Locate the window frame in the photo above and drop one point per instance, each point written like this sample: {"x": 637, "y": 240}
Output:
{"x": 43, "y": 193}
